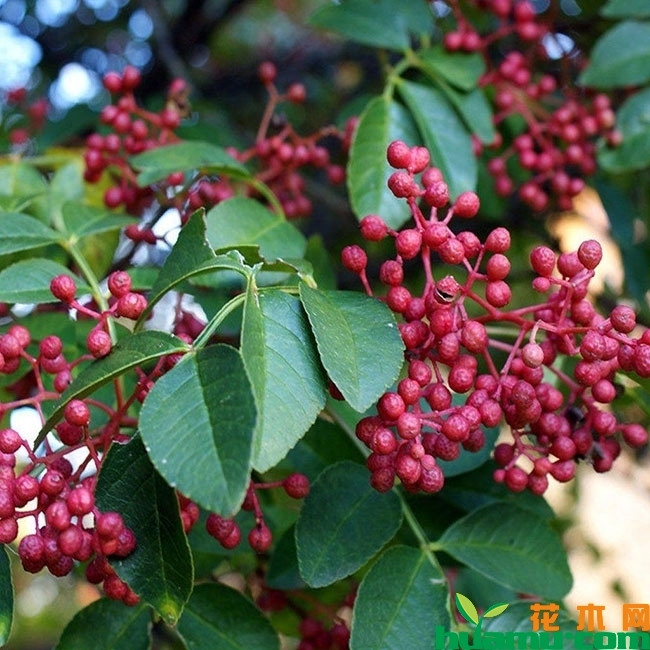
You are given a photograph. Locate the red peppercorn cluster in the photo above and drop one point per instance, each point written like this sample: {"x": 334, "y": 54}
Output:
{"x": 68, "y": 527}
{"x": 47, "y": 488}
{"x": 279, "y": 154}
{"x": 327, "y": 628}
{"x": 277, "y": 157}
{"x": 26, "y": 117}
{"x": 556, "y": 143}
{"x": 133, "y": 130}
{"x": 473, "y": 362}
{"x": 228, "y": 532}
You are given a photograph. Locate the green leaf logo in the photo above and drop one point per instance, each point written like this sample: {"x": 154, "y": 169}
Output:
{"x": 466, "y": 608}
{"x": 495, "y": 610}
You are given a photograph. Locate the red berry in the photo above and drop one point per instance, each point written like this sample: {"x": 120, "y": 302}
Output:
{"x": 109, "y": 525}
{"x": 516, "y": 479}
{"x": 131, "y": 305}
{"x": 80, "y": 501}
{"x": 398, "y": 154}
{"x": 112, "y": 82}
{"x": 10, "y": 441}
{"x": 373, "y": 228}
{"x": 466, "y": 205}
{"x": 297, "y": 93}
{"x": 50, "y": 347}
{"x": 77, "y": 412}
{"x": 267, "y": 72}
{"x": 99, "y": 343}
{"x": 63, "y": 288}
{"x": 296, "y": 486}
{"x": 260, "y": 538}
{"x": 623, "y": 319}
{"x": 498, "y": 241}
{"x": 119, "y": 283}
{"x": 590, "y": 253}
{"x": 408, "y": 243}
{"x": 354, "y": 258}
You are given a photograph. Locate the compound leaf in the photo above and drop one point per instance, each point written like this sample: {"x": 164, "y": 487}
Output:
{"x": 241, "y": 221}
{"x": 388, "y": 25}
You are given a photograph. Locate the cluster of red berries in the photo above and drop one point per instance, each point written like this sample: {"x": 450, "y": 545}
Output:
{"x": 68, "y": 526}
{"x": 513, "y": 16}
{"x": 133, "y": 130}
{"x": 28, "y": 119}
{"x": 314, "y": 636}
{"x": 47, "y": 488}
{"x": 326, "y": 628}
{"x": 227, "y": 531}
{"x": 473, "y": 362}
{"x": 278, "y": 157}
{"x": 556, "y": 144}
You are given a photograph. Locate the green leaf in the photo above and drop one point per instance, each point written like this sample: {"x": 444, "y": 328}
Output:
{"x": 197, "y": 424}
{"x": 467, "y": 608}
{"x": 135, "y": 350}
{"x": 387, "y": 25}
{"x": 635, "y": 254}
{"x": 108, "y": 625}
{"x": 285, "y": 373}
{"x": 382, "y": 121}
{"x": 283, "y": 571}
{"x": 512, "y": 547}
{"x": 620, "y": 57}
{"x": 626, "y": 9}
{"x": 192, "y": 255}
{"x": 82, "y": 220}
{"x": 28, "y": 281}
{"x": 21, "y": 179}
{"x": 6, "y": 597}
{"x": 633, "y": 121}
{"x": 350, "y": 330}
{"x": 157, "y": 164}
{"x": 458, "y": 68}
{"x": 475, "y": 111}
{"x": 241, "y": 221}
{"x": 343, "y": 522}
{"x": 400, "y": 602}
{"x": 160, "y": 568}
{"x": 20, "y": 232}
{"x": 444, "y": 134}
{"x": 220, "y": 618}
{"x": 495, "y": 610}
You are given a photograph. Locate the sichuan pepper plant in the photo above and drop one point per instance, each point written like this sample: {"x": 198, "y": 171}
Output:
{"x": 235, "y": 450}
